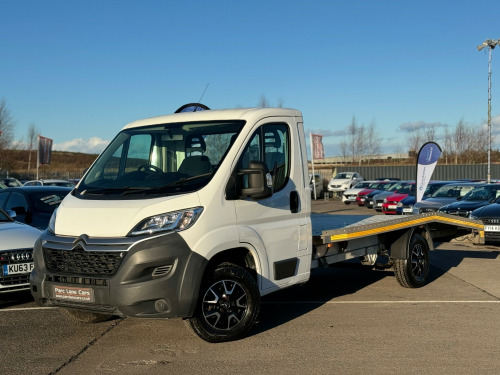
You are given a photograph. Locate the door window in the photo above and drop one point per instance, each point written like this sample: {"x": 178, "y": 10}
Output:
{"x": 271, "y": 145}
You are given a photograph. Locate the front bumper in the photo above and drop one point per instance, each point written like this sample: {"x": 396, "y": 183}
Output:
{"x": 150, "y": 277}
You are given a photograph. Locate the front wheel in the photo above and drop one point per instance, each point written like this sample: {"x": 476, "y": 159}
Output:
{"x": 412, "y": 272}
{"x": 228, "y": 306}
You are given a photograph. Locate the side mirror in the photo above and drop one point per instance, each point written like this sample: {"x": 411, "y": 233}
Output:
{"x": 260, "y": 181}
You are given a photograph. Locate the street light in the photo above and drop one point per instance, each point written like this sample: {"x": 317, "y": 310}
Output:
{"x": 491, "y": 44}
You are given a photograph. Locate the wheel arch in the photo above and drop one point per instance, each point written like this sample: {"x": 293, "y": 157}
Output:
{"x": 400, "y": 241}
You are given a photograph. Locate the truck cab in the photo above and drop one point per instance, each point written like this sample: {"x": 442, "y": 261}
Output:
{"x": 193, "y": 215}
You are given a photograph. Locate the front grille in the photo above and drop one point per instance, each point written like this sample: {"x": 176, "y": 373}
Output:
{"x": 491, "y": 235}
{"x": 79, "y": 261}
{"x": 16, "y": 281}
{"x": 491, "y": 220}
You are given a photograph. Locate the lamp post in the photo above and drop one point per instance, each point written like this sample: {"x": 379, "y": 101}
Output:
{"x": 491, "y": 44}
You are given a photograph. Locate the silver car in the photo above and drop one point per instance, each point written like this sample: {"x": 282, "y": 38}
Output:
{"x": 16, "y": 253}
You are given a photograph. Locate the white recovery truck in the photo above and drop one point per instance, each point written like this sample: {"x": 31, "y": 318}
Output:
{"x": 197, "y": 215}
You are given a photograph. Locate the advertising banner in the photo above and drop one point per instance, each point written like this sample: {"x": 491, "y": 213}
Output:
{"x": 317, "y": 146}
{"x": 44, "y": 150}
{"x": 426, "y": 162}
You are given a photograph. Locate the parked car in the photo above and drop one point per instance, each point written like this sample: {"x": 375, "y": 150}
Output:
{"x": 391, "y": 202}
{"x": 51, "y": 182}
{"x": 444, "y": 195}
{"x": 349, "y": 196}
{"x": 490, "y": 216}
{"x": 405, "y": 206}
{"x": 10, "y": 182}
{"x": 376, "y": 198}
{"x": 319, "y": 185}
{"x": 481, "y": 195}
{"x": 343, "y": 181}
{"x": 360, "y": 198}
{"x": 16, "y": 253}
{"x": 33, "y": 205}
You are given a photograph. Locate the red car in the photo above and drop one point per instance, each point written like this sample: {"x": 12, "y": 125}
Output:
{"x": 360, "y": 198}
{"x": 391, "y": 202}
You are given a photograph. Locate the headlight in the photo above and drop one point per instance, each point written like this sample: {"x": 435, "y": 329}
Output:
{"x": 52, "y": 222}
{"x": 175, "y": 221}
{"x": 385, "y": 200}
{"x": 400, "y": 204}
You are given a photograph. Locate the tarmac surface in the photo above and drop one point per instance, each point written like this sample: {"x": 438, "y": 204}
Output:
{"x": 347, "y": 319}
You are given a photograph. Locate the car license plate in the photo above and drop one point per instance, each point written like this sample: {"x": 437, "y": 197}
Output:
{"x": 73, "y": 293}
{"x": 379, "y": 204}
{"x": 407, "y": 209}
{"x": 15, "y": 269}
{"x": 492, "y": 228}
{"x": 391, "y": 206}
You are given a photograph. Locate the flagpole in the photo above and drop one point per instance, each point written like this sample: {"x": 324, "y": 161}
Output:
{"x": 37, "y": 154}
{"x": 312, "y": 164}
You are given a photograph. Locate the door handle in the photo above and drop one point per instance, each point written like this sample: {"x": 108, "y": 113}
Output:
{"x": 294, "y": 202}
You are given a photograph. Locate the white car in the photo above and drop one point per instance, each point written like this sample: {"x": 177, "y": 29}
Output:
{"x": 349, "y": 196}
{"x": 343, "y": 181}
{"x": 51, "y": 182}
{"x": 16, "y": 253}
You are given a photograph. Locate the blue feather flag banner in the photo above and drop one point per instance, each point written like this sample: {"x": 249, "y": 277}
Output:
{"x": 426, "y": 162}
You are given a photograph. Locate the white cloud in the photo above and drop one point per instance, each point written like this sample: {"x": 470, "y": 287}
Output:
{"x": 409, "y": 127}
{"x": 94, "y": 145}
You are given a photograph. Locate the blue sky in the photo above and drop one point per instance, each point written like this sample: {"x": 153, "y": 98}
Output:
{"x": 80, "y": 70}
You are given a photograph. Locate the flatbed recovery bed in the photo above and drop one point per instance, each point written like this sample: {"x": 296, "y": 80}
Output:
{"x": 338, "y": 238}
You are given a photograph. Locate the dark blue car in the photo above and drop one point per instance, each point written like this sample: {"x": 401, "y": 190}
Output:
{"x": 33, "y": 205}
{"x": 482, "y": 195}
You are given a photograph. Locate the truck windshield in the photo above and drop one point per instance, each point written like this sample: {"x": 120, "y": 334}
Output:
{"x": 161, "y": 159}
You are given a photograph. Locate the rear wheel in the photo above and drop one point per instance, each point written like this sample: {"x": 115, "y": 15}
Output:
{"x": 84, "y": 316}
{"x": 228, "y": 306}
{"x": 412, "y": 272}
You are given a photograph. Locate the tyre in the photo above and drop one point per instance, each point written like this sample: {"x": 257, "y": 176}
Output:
{"x": 228, "y": 306}
{"x": 413, "y": 271}
{"x": 84, "y": 316}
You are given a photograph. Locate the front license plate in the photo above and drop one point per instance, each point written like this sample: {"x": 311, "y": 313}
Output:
{"x": 492, "y": 228}
{"x": 391, "y": 206}
{"x": 73, "y": 293}
{"x": 407, "y": 209}
{"x": 15, "y": 269}
{"x": 379, "y": 204}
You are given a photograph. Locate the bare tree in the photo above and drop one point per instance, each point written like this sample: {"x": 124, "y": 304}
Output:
{"x": 372, "y": 140}
{"x": 449, "y": 146}
{"x": 356, "y": 141}
{"x": 32, "y": 138}
{"x": 460, "y": 139}
{"x": 263, "y": 102}
{"x": 7, "y": 128}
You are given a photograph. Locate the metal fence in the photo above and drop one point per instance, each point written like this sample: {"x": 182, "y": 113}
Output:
{"x": 44, "y": 175}
{"x": 408, "y": 172}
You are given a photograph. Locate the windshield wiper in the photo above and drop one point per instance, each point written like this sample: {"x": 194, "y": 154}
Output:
{"x": 100, "y": 191}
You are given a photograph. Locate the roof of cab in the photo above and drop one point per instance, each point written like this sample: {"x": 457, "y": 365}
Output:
{"x": 218, "y": 114}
